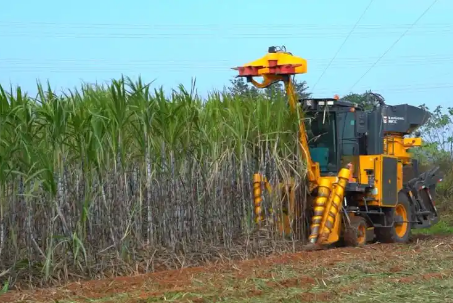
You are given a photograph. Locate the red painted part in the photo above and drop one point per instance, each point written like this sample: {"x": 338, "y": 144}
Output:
{"x": 248, "y": 70}
{"x": 272, "y": 70}
{"x": 272, "y": 63}
{"x": 429, "y": 194}
{"x": 286, "y": 69}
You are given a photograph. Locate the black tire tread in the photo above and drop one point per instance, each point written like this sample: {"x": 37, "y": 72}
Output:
{"x": 388, "y": 234}
{"x": 350, "y": 234}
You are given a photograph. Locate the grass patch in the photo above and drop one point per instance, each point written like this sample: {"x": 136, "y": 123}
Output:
{"x": 441, "y": 228}
{"x": 435, "y": 290}
{"x": 375, "y": 273}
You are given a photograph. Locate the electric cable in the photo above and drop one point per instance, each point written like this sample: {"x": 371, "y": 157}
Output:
{"x": 35, "y": 25}
{"x": 216, "y": 35}
{"x": 224, "y": 63}
{"x": 394, "y": 89}
{"x": 394, "y": 43}
{"x": 344, "y": 41}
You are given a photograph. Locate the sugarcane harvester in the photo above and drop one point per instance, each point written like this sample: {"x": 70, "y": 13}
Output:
{"x": 355, "y": 159}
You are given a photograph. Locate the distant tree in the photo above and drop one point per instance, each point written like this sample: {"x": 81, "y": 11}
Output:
{"x": 437, "y": 148}
{"x": 239, "y": 86}
{"x": 301, "y": 89}
{"x": 366, "y": 99}
{"x": 437, "y": 135}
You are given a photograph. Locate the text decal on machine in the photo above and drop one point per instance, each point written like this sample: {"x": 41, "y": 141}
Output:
{"x": 392, "y": 120}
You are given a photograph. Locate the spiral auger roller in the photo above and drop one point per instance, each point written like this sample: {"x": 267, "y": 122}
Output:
{"x": 258, "y": 182}
{"x": 349, "y": 204}
{"x": 319, "y": 209}
{"x": 327, "y": 211}
{"x": 326, "y": 220}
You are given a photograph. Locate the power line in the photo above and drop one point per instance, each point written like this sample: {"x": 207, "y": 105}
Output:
{"x": 213, "y": 35}
{"x": 164, "y": 67}
{"x": 384, "y": 90}
{"x": 394, "y": 89}
{"x": 13, "y": 64}
{"x": 391, "y": 46}
{"x": 344, "y": 41}
{"x": 420, "y": 88}
{"x": 348, "y": 59}
{"x": 266, "y": 26}
{"x": 352, "y": 59}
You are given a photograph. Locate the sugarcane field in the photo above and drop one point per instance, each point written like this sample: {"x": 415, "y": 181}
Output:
{"x": 137, "y": 166}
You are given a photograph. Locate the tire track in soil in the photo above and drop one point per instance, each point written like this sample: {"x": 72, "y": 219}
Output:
{"x": 181, "y": 280}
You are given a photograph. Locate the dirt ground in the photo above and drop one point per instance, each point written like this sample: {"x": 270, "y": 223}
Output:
{"x": 415, "y": 272}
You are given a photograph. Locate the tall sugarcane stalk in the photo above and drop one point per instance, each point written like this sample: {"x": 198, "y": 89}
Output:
{"x": 120, "y": 171}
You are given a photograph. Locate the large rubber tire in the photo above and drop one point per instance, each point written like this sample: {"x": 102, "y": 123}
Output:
{"x": 400, "y": 232}
{"x": 356, "y": 233}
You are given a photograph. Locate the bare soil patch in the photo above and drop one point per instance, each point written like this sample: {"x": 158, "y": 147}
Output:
{"x": 301, "y": 275}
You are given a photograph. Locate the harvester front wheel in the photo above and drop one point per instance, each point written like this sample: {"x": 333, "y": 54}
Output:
{"x": 400, "y": 215}
{"x": 356, "y": 233}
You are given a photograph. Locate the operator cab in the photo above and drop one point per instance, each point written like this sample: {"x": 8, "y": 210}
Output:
{"x": 340, "y": 131}
{"x": 334, "y": 136}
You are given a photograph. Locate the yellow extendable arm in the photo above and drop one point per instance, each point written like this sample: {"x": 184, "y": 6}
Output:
{"x": 280, "y": 66}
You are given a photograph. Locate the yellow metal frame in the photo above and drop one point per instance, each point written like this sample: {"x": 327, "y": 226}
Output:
{"x": 326, "y": 222}
{"x": 269, "y": 67}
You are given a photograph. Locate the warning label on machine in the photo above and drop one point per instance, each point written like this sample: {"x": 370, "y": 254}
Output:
{"x": 392, "y": 119}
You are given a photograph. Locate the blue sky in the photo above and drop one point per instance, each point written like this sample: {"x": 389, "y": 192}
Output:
{"x": 172, "y": 41}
